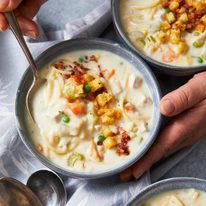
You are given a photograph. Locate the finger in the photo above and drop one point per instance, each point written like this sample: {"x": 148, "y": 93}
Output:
{"x": 3, "y": 23}
{"x": 28, "y": 27}
{"x": 126, "y": 175}
{"x": 185, "y": 97}
{"x": 9, "y": 5}
{"x": 186, "y": 129}
{"x": 29, "y": 8}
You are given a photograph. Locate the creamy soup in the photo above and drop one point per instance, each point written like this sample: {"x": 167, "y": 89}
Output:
{"x": 184, "y": 197}
{"x": 169, "y": 31}
{"x": 93, "y": 113}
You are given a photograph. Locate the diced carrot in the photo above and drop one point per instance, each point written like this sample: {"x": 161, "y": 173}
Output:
{"x": 39, "y": 148}
{"x": 70, "y": 100}
{"x": 76, "y": 78}
{"x": 111, "y": 74}
{"x": 169, "y": 56}
{"x": 78, "y": 108}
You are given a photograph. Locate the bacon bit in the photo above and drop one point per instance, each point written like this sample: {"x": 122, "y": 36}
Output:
{"x": 90, "y": 96}
{"x": 66, "y": 76}
{"x": 165, "y": 4}
{"x": 59, "y": 66}
{"x": 78, "y": 70}
{"x": 93, "y": 58}
{"x": 76, "y": 78}
{"x": 100, "y": 71}
{"x": 111, "y": 74}
{"x": 40, "y": 148}
{"x": 130, "y": 107}
{"x": 122, "y": 146}
{"x": 70, "y": 100}
{"x": 199, "y": 15}
{"x": 99, "y": 143}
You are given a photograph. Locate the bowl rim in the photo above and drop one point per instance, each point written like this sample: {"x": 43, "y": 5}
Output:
{"x": 173, "y": 69}
{"x": 166, "y": 183}
{"x": 76, "y": 174}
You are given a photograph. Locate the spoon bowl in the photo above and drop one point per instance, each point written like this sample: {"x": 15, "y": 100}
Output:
{"x": 13, "y": 192}
{"x": 48, "y": 187}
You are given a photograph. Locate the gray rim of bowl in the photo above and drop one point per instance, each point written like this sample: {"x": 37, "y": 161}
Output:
{"x": 159, "y": 65}
{"x": 176, "y": 182}
{"x": 81, "y": 175}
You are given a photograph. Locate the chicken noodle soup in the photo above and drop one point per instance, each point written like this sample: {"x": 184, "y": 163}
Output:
{"x": 169, "y": 31}
{"x": 93, "y": 113}
{"x": 184, "y": 197}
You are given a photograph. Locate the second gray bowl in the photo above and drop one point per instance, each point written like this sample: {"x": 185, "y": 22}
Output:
{"x": 156, "y": 65}
{"x": 168, "y": 185}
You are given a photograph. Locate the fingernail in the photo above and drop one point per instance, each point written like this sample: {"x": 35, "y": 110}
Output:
{"x": 137, "y": 177}
{"x": 167, "y": 107}
{"x": 4, "y": 4}
{"x": 31, "y": 34}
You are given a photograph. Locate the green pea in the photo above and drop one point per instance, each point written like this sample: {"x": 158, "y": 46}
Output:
{"x": 101, "y": 138}
{"x": 199, "y": 60}
{"x": 87, "y": 88}
{"x": 80, "y": 60}
{"x": 167, "y": 10}
{"x": 66, "y": 119}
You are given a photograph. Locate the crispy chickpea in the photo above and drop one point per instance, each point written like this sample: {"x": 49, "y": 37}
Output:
{"x": 162, "y": 36}
{"x": 200, "y": 28}
{"x": 175, "y": 36}
{"x": 203, "y": 19}
{"x": 170, "y": 17}
{"x": 106, "y": 131}
{"x": 165, "y": 26}
{"x": 110, "y": 142}
{"x": 174, "y": 5}
{"x": 184, "y": 17}
{"x": 182, "y": 47}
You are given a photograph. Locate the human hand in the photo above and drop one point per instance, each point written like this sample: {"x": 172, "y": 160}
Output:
{"x": 24, "y": 11}
{"x": 188, "y": 107}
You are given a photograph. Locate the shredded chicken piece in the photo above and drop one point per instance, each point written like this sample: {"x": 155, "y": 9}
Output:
{"x": 94, "y": 153}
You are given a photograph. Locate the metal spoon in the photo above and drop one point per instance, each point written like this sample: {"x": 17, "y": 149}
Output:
{"x": 37, "y": 80}
{"x": 13, "y": 192}
{"x": 48, "y": 187}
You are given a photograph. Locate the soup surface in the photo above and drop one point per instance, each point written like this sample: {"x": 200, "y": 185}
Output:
{"x": 184, "y": 197}
{"x": 93, "y": 113}
{"x": 169, "y": 31}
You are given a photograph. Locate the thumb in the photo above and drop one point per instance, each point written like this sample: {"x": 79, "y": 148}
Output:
{"x": 185, "y": 97}
{"x": 9, "y": 5}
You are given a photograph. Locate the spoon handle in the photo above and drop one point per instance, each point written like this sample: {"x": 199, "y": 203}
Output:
{"x": 14, "y": 26}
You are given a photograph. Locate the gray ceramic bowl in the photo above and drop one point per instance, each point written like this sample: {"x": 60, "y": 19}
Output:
{"x": 156, "y": 65}
{"x": 168, "y": 185}
{"x": 74, "y": 45}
